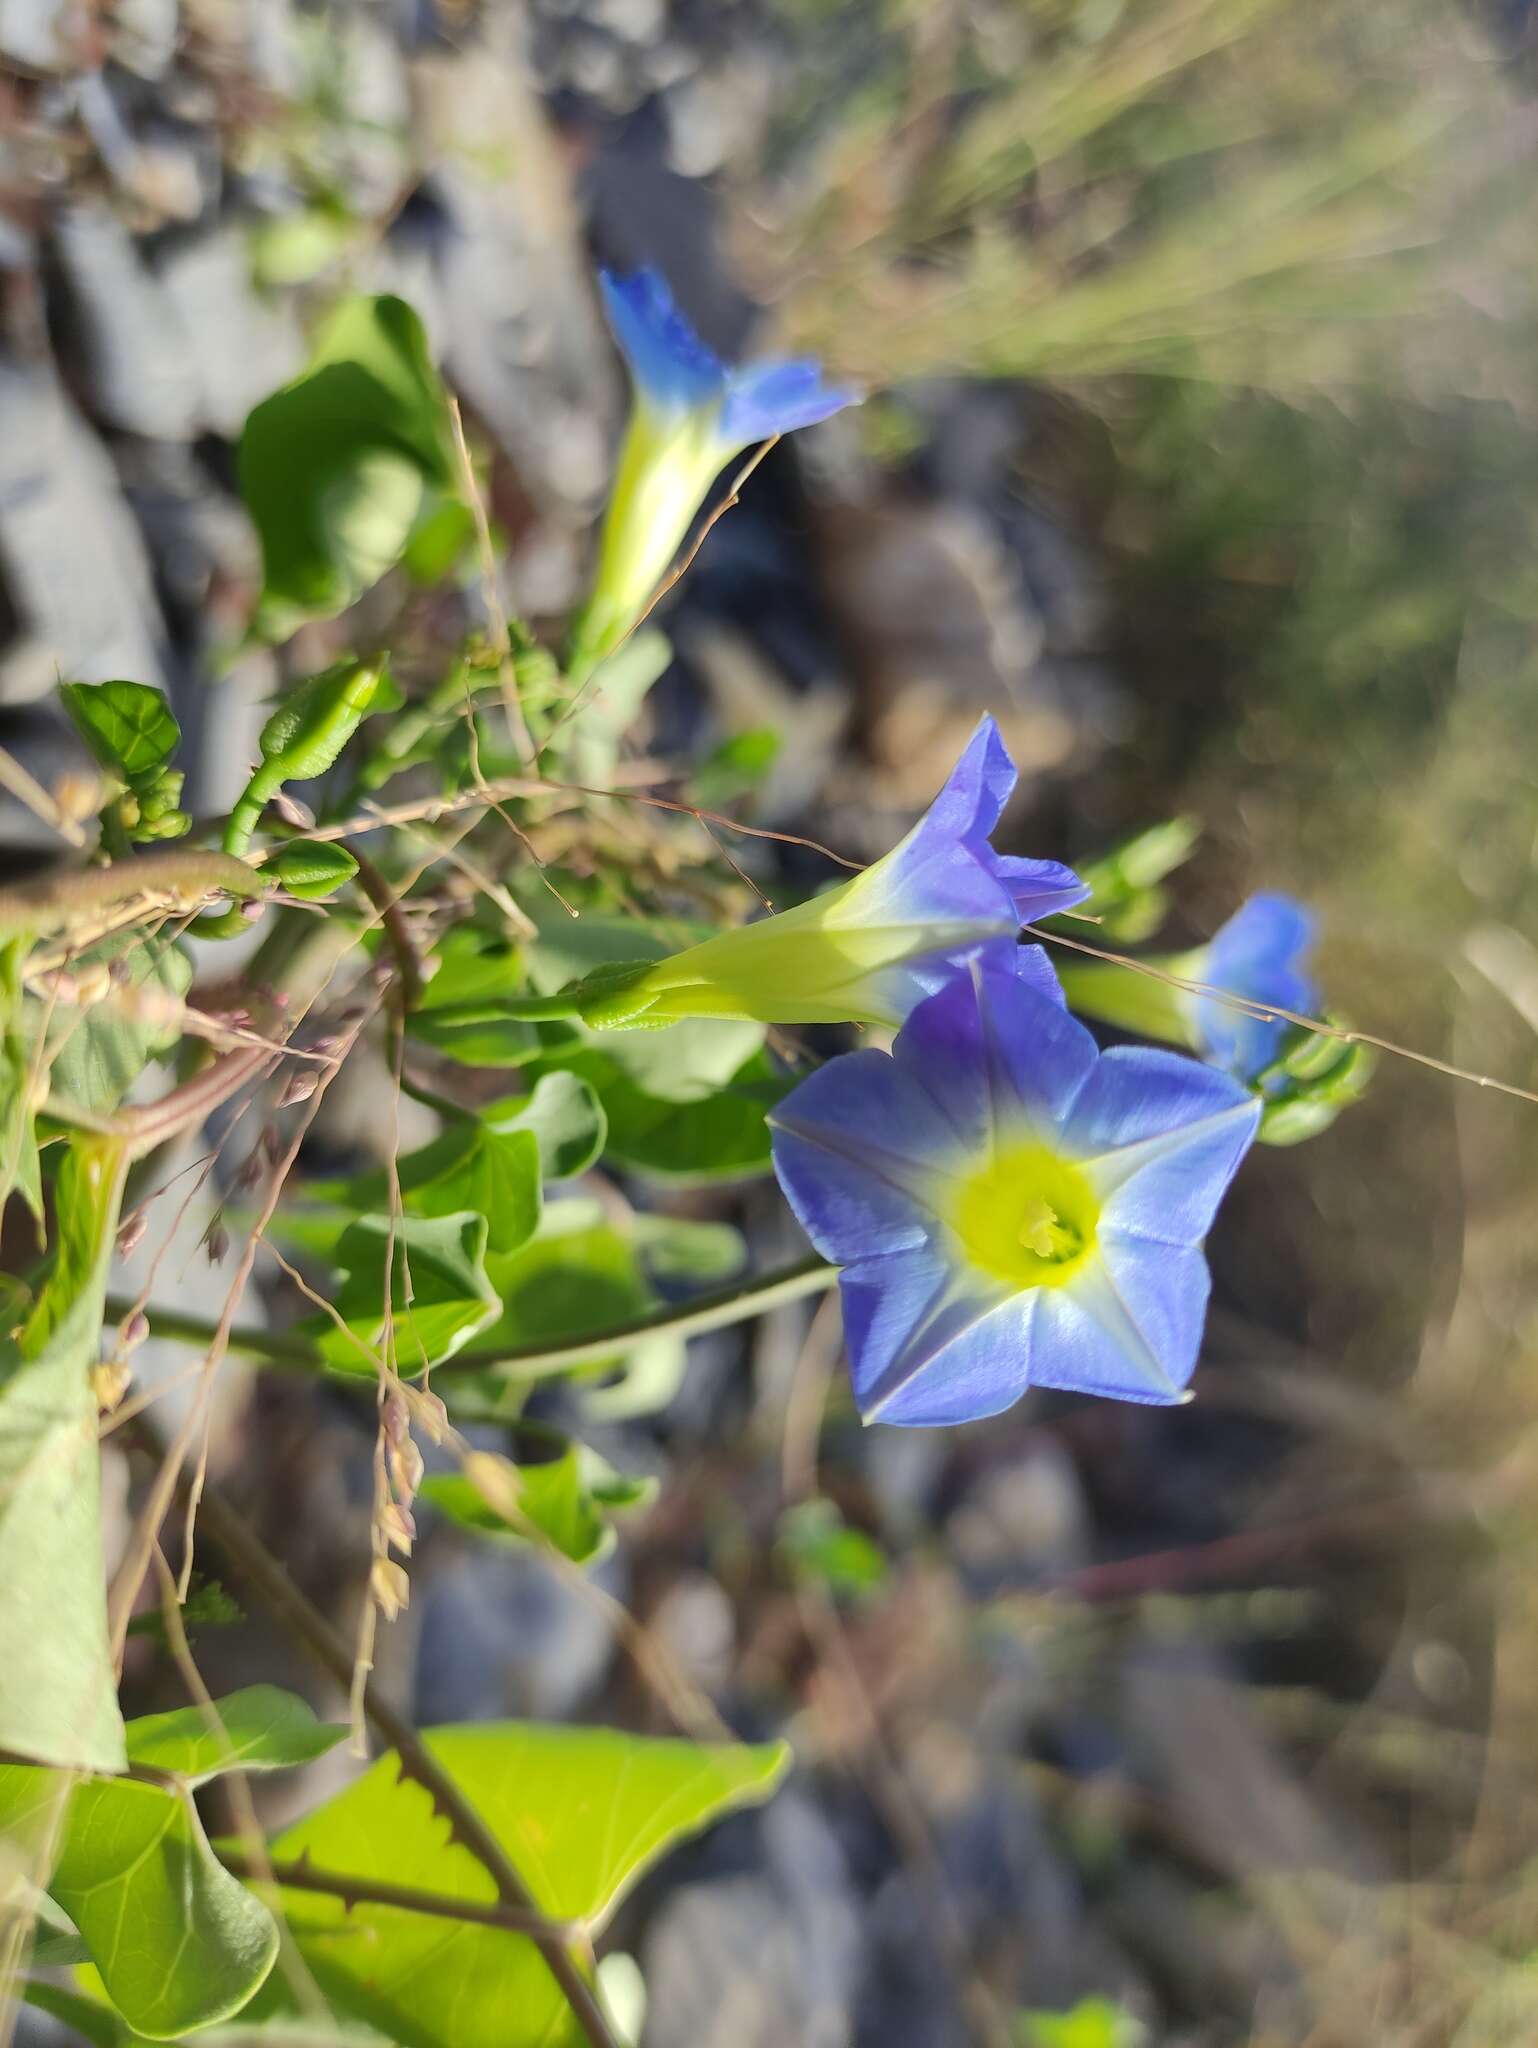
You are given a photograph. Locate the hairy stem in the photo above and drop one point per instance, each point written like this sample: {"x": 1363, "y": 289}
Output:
{"x": 174, "y": 879}
{"x": 359, "y": 1891}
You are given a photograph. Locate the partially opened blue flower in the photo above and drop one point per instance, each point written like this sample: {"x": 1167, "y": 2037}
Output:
{"x": 690, "y": 417}
{"x": 1011, "y": 1206}
{"x": 1260, "y": 955}
{"x": 869, "y": 950}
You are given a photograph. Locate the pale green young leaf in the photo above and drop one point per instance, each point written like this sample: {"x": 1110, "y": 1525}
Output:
{"x": 264, "y": 1729}
{"x": 95, "y": 1055}
{"x": 178, "y": 1941}
{"x": 58, "y": 1694}
{"x": 450, "y": 1297}
{"x": 560, "y": 1499}
{"x": 582, "y": 1812}
{"x": 130, "y": 728}
{"x": 335, "y": 467}
{"x": 578, "y": 1273}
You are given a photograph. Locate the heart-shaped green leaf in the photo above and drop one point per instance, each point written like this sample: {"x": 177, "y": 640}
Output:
{"x": 581, "y": 1812}
{"x": 129, "y": 728}
{"x": 439, "y": 1291}
{"x": 178, "y": 1941}
{"x": 335, "y": 468}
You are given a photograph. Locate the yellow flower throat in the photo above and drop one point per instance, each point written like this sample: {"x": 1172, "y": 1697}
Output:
{"x": 1028, "y": 1217}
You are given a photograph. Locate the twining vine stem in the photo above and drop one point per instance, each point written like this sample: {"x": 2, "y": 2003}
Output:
{"x": 715, "y": 1311}
{"x": 233, "y": 1535}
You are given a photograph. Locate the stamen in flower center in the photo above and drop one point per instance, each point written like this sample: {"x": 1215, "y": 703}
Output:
{"x": 1028, "y": 1217}
{"x": 1044, "y": 1232}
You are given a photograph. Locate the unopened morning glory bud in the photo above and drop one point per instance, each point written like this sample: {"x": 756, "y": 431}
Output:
{"x": 1011, "y": 1207}
{"x": 867, "y": 951}
{"x": 690, "y": 416}
{"x": 1259, "y": 957}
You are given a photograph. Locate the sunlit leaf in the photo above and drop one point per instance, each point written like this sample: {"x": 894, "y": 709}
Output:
{"x": 264, "y": 1729}
{"x": 581, "y": 1812}
{"x": 737, "y": 767}
{"x": 96, "y": 1054}
{"x": 20, "y": 1168}
{"x": 178, "y": 1941}
{"x": 440, "y": 1292}
{"x": 493, "y": 1164}
{"x": 462, "y": 1013}
{"x": 335, "y": 468}
{"x": 715, "y": 1136}
{"x": 129, "y": 728}
{"x": 679, "y": 1251}
{"x": 819, "y": 1544}
{"x": 577, "y": 1274}
{"x": 58, "y": 1694}
{"x": 1092, "y": 2023}
{"x": 559, "y": 1499}
{"x": 313, "y": 868}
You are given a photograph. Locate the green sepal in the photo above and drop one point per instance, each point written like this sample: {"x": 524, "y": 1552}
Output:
{"x": 312, "y": 868}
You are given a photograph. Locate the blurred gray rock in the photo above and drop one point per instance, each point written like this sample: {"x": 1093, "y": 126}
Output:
{"x": 145, "y": 35}
{"x": 373, "y": 147}
{"x": 1024, "y": 1519}
{"x": 765, "y": 1958}
{"x": 38, "y": 33}
{"x": 521, "y": 335}
{"x": 118, "y": 329}
{"x": 503, "y": 1634}
{"x": 72, "y": 563}
{"x": 244, "y": 344}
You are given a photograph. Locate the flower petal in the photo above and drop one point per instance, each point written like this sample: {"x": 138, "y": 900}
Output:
{"x": 1129, "y": 1326}
{"x": 860, "y": 1148}
{"x": 670, "y": 364}
{"x": 995, "y": 1052}
{"x": 776, "y": 398}
{"x": 1038, "y": 888}
{"x": 925, "y": 1347}
{"x": 1034, "y": 968}
{"x": 1160, "y": 1138}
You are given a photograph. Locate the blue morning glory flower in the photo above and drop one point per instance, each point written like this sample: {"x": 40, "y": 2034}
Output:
{"x": 1011, "y": 1206}
{"x": 691, "y": 415}
{"x": 1261, "y": 955}
{"x": 867, "y": 951}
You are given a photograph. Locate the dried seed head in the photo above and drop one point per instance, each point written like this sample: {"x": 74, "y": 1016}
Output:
{"x": 405, "y": 1469}
{"x": 389, "y": 1586}
{"x": 252, "y": 1168}
{"x": 398, "y": 1526}
{"x": 216, "y": 1240}
{"x": 395, "y": 1418}
{"x": 131, "y": 1232}
{"x": 326, "y": 1047}
{"x": 292, "y": 812}
{"x": 92, "y": 983}
{"x": 132, "y": 1331}
{"x": 274, "y": 1144}
{"x": 78, "y": 796}
{"x": 299, "y": 1087}
{"x": 110, "y": 1381}
{"x": 429, "y": 1413}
